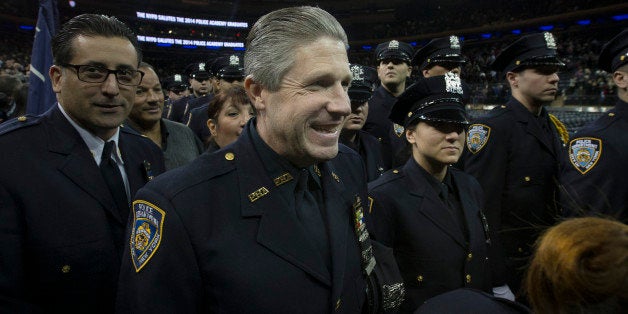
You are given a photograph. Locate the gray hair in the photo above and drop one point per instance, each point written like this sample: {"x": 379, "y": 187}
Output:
{"x": 274, "y": 38}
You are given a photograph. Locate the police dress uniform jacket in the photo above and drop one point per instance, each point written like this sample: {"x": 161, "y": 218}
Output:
{"x": 596, "y": 176}
{"x": 231, "y": 243}
{"x": 370, "y": 150}
{"x": 517, "y": 165}
{"x": 197, "y": 122}
{"x": 391, "y": 136}
{"x": 60, "y": 231}
{"x": 433, "y": 253}
{"x": 196, "y": 103}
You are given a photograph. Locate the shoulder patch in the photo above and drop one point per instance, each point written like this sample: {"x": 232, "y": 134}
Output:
{"x": 148, "y": 223}
{"x": 584, "y": 153}
{"x": 477, "y": 137}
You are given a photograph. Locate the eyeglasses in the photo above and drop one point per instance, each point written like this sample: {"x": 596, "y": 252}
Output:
{"x": 97, "y": 74}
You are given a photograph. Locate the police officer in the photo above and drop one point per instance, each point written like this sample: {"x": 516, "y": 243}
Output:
{"x": 393, "y": 68}
{"x": 428, "y": 212}
{"x": 227, "y": 71}
{"x": 67, "y": 180}
{"x": 271, "y": 223}
{"x": 515, "y": 150}
{"x": 176, "y": 88}
{"x": 595, "y": 176}
{"x": 199, "y": 77}
{"x": 439, "y": 56}
{"x": 352, "y": 135}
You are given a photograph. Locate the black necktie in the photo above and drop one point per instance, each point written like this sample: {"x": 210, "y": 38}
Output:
{"x": 113, "y": 178}
{"x": 309, "y": 214}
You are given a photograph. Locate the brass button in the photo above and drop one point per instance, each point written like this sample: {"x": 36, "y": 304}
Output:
{"x": 520, "y": 250}
{"x": 611, "y": 114}
{"x": 21, "y": 118}
{"x": 338, "y": 304}
{"x": 470, "y": 256}
{"x": 66, "y": 269}
{"x": 229, "y": 156}
{"x": 527, "y": 179}
{"x": 395, "y": 171}
{"x": 379, "y": 139}
{"x": 503, "y": 106}
{"x": 468, "y": 277}
{"x": 419, "y": 278}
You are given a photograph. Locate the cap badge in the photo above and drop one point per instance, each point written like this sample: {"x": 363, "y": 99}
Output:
{"x": 584, "y": 153}
{"x": 234, "y": 60}
{"x": 452, "y": 83}
{"x": 201, "y": 66}
{"x": 177, "y": 78}
{"x": 357, "y": 72}
{"x": 549, "y": 40}
{"x": 454, "y": 42}
{"x": 393, "y": 44}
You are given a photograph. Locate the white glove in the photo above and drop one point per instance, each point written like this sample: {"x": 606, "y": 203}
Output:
{"x": 504, "y": 293}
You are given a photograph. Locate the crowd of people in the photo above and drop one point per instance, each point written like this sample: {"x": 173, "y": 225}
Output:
{"x": 289, "y": 179}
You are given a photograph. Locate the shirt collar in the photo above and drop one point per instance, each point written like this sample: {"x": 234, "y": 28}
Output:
{"x": 94, "y": 143}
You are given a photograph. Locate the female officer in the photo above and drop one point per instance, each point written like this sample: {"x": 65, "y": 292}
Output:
{"x": 228, "y": 112}
{"x": 428, "y": 212}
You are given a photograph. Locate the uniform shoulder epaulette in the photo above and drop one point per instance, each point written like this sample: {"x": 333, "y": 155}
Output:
{"x": 498, "y": 111}
{"x": 19, "y": 123}
{"x": 599, "y": 124}
{"x": 388, "y": 176}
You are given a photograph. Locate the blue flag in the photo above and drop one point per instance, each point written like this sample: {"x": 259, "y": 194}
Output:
{"x": 40, "y": 94}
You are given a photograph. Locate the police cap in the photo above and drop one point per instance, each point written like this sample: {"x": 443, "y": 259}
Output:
{"x": 394, "y": 50}
{"x": 175, "y": 82}
{"x": 198, "y": 71}
{"x": 528, "y": 51}
{"x": 228, "y": 67}
{"x": 362, "y": 83}
{"x": 439, "y": 50}
{"x": 438, "y": 98}
{"x": 615, "y": 53}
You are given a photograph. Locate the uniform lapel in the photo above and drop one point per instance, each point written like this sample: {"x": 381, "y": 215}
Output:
{"x": 137, "y": 178}
{"x": 78, "y": 165}
{"x": 279, "y": 230}
{"x": 338, "y": 219}
{"x": 469, "y": 207}
{"x": 431, "y": 206}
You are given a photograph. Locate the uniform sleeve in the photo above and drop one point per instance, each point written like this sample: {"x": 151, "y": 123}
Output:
{"x": 158, "y": 276}
{"x": 12, "y": 289}
{"x": 489, "y": 166}
{"x": 379, "y": 220}
{"x": 596, "y": 187}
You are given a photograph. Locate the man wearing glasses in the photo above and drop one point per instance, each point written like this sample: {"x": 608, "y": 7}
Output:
{"x": 64, "y": 196}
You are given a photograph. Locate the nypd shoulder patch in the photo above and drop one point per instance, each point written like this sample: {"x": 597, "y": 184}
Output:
{"x": 477, "y": 137}
{"x": 584, "y": 153}
{"x": 148, "y": 222}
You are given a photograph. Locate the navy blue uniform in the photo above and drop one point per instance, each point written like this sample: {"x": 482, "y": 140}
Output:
{"x": 196, "y": 103}
{"x": 596, "y": 175}
{"x": 370, "y": 150}
{"x": 391, "y": 136}
{"x": 470, "y": 301}
{"x": 515, "y": 156}
{"x": 231, "y": 241}
{"x": 60, "y": 231}
{"x": 434, "y": 253}
{"x": 197, "y": 122}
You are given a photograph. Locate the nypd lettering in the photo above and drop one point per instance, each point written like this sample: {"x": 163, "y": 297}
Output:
{"x": 477, "y": 137}
{"x": 584, "y": 153}
{"x": 148, "y": 221}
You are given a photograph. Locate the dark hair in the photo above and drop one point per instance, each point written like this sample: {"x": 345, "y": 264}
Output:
{"x": 89, "y": 25}
{"x": 235, "y": 93}
{"x": 580, "y": 266}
